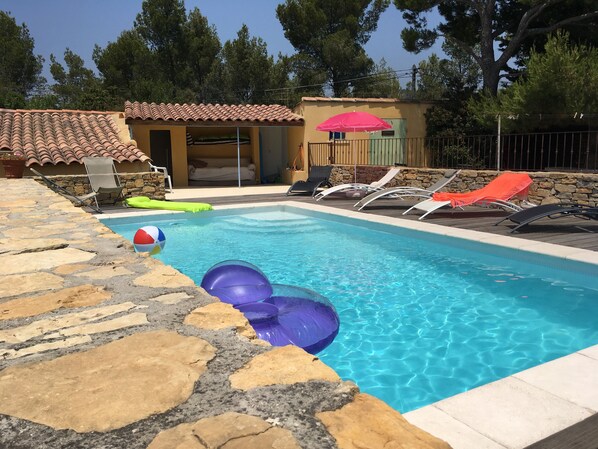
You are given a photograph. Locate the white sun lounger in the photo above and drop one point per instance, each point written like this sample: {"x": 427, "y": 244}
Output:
{"x": 406, "y": 191}
{"x": 372, "y": 187}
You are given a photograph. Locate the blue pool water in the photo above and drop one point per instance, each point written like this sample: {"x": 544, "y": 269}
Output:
{"x": 422, "y": 317}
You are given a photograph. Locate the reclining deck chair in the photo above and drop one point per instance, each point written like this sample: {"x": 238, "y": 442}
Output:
{"x": 497, "y": 192}
{"x": 164, "y": 171}
{"x": 103, "y": 178}
{"x": 401, "y": 192}
{"x": 527, "y": 216}
{"x": 319, "y": 176}
{"x": 81, "y": 200}
{"x": 363, "y": 188}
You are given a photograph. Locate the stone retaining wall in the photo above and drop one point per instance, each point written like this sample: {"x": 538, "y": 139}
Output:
{"x": 150, "y": 184}
{"x": 548, "y": 187}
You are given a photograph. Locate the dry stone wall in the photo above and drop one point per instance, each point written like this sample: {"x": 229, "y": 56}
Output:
{"x": 548, "y": 187}
{"x": 150, "y": 184}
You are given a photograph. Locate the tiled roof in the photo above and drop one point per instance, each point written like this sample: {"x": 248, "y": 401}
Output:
{"x": 213, "y": 113}
{"x": 60, "y": 136}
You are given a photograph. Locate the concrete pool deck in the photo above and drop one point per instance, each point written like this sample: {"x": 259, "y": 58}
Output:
{"x": 151, "y": 302}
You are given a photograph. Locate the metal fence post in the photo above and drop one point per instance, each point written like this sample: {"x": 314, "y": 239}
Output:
{"x": 498, "y": 146}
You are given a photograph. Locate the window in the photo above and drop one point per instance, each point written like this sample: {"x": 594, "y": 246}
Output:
{"x": 336, "y": 136}
{"x": 388, "y": 133}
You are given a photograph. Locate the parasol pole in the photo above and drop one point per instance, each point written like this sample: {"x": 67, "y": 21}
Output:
{"x": 238, "y": 158}
{"x": 354, "y": 157}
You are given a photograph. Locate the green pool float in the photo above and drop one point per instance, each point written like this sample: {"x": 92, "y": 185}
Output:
{"x": 143, "y": 202}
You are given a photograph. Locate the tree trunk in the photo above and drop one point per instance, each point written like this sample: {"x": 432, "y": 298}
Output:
{"x": 490, "y": 70}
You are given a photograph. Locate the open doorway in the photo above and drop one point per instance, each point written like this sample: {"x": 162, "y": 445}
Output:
{"x": 273, "y": 154}
{"x": 161, "y": 149}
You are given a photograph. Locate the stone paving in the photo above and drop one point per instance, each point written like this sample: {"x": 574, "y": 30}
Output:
{"x": 101, "y": 347}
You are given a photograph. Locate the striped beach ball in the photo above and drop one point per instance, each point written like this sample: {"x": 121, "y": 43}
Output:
{"x": 149, "y": 239}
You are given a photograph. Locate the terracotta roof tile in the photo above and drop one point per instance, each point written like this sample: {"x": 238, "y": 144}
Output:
{"x": 214, "y": 113}
{"x": 60, "y": 136}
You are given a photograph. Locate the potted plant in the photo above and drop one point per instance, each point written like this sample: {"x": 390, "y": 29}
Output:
{"x": 14, "y": 163}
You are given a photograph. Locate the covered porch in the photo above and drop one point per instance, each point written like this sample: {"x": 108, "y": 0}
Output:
{"x": 216, "y": 145}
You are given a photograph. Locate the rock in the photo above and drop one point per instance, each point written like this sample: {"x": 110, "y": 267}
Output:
{"x": 230, "y": 430}
{"x": 218, "y": 316}
{"x": 164, "y": 276}
{"x": 80, "y": 296}
{"x": 32, "y": 262}
{"x": 368, "y": 422}
{"x": 282, "y": 365}
{"x": 109, "y": 386}
{"x": 19, "y": 284}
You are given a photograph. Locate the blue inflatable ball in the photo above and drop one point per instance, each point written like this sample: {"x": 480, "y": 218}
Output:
{"x": 305, "y": 318}
{"x": 149, "y": 239}
{"x": 237, "y": 282}
{"x": 294, "y": 315}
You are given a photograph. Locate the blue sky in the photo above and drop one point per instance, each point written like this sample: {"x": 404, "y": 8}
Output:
{"x": 80, "y": 24}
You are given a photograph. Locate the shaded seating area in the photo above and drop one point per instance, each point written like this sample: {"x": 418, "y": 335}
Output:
{"x": 81, "y": 200}
{"x": 497, "y": 193}
{"x": 103, "y": 178}
{"x": 360, "y": 188}
{"x": 401, "y": 192}
{"x": 319, "y": 176}
{"x": 552, "y": 211}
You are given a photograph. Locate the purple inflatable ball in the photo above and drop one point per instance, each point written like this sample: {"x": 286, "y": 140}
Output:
{"x": 294, "y": 315}
{"x": 237, "y": 282}
{"x": 259, "y": 312}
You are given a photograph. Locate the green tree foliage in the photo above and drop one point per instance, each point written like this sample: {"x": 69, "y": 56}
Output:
{"x": 329, "y": 36}
{"x": 163, "y": 58}
{"x": 583, "y": 32}
{"x": 477, "y": 25}
{"x": 77, "y": 87}
{"x": 246, "y": 70}
{"x": 559, "y": 86}
{"x": 309, "y": 80}
{"x": 161, "y": 25}
{"x": 20, "y": 68}
{"x": 129, "y": 67}
{"x": 383, "y": 83}
{"x": 450, "y": 83}
{"x": 202, "y": 50}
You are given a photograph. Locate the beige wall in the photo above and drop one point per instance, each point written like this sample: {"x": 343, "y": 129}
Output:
{"x": 316, "y": 111}
{"x": 178, "y": 144}
{"x": 295, "y": 137}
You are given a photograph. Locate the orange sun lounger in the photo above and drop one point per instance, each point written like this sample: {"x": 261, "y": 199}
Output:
{"x": 497, "y": 192}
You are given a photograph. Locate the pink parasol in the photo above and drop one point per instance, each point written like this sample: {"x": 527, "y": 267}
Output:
{"x": 355, "y": 121}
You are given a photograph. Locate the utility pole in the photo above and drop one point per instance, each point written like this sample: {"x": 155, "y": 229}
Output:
{"x": 413, "y": 80}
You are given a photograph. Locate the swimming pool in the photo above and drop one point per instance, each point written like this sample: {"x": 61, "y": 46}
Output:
{"x": 423, "y": 317}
